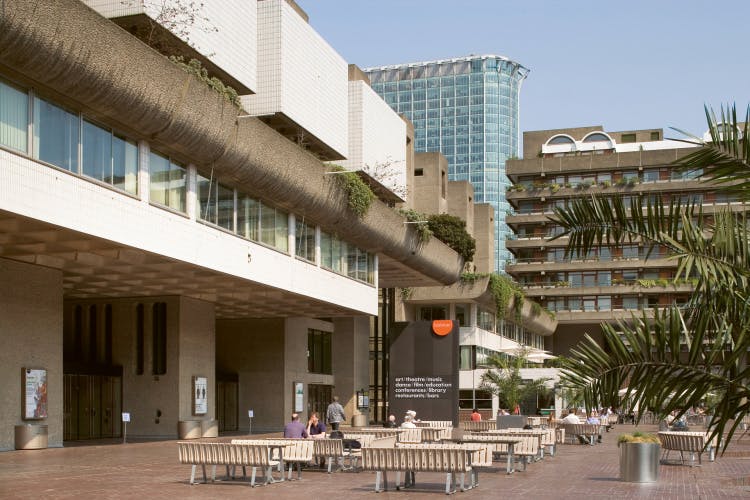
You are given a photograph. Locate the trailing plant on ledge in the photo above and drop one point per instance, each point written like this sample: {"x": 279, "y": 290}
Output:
{"x": 360, "y": 195}
{"x": 194, "y": 67}
{"x": 419, "y": 221}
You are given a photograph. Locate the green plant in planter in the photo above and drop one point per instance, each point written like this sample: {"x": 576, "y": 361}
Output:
{"x": 638, "y": 437}
{"x": 555, "y": 187}
{"x": 360, "y": 195}
{"x": 421, "y": 226}
{"x": 606, "y": 184}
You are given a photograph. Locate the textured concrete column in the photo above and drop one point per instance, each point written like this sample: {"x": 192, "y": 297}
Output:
{"x": 351, "y": 358}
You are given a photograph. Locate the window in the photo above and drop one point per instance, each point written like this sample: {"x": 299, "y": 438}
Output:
{"x": 248, "y": 218}
{"x": 418, "y": 172}
{"x": 433, "y": 313}
{"x": 167, "y": 182}
{"x": 466, "y": 358}
{"x": 655, "y": 136}
{"x": 109, "y": 158}
{"x": 469, "y": 399}
{"x": 14, "y": 117}
{"x": 274, "y": 227}
{"x": 596, "y": 137}
{"x": 319, "y": 351}
{"x": 55, "y": 135}
{"x": 215, "y": 202}
{"x": 159, "y": 339}
{"x": 560, "y": 139}
{"x": 627, "y": 138}
{"x": 305, "y": 241}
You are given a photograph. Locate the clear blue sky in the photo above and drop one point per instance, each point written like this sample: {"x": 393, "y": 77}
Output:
{"x": 621, "y": 64}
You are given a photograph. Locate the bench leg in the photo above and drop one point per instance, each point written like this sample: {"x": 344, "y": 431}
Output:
{"x": 330, "y": 463}
{"x": 378, "y": 475}
{"x": 474, "y": 477}
{"x": 398, "y": 479}
{"x": 463, "y": 481}
{"x": 192, "y": 474}
{"x": 448, "y": 478}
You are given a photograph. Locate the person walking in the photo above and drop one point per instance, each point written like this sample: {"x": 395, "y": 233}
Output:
{"x": 335, "y": 414}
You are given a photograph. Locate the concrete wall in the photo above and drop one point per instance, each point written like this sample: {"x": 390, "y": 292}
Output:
{"x": 295, "y": 361}
{"x": 351, "y": 360}
{"x": 461, "y": 202}
{"x": 484, "y": 233}
{"x": 197, "y": 354}
{"x": 430, "y": 188}
{"x": 254, "y": 350}
{"x": 568, "y": 335}
{"x": 31, "y": 312}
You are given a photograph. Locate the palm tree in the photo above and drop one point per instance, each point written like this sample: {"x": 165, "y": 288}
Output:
{"x": 671, "y": 359}
{"x": 503, "y": 378}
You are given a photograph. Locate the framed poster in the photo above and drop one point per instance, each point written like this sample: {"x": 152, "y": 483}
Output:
{"x": 299, "y": 397}
{"x": 34, "y": 393}
{"x": 200, "y": 396}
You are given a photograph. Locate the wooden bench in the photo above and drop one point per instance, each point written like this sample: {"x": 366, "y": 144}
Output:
{"x": 690, "y": 442}
{"x": 590, "y": 431}
{"x": 410, "y": 436}
{"x": 296, "y": 451}
{"x": 482, "y": 425}
{"x": 447, "y": 460}
{"x": 481, "y": 455}
{"x": 229, "y": 455}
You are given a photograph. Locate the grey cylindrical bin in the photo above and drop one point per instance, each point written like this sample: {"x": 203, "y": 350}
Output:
{"x": 359, "y": 420}
{"x": 639, "y": 462}
{"x": 31, "y": 436}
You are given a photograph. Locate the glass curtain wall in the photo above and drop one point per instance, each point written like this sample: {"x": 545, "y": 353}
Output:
{"x": 14, "y": 117}
{"x": 167, "y": 180}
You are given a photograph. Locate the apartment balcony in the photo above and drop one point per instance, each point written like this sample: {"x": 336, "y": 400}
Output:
{"x": 589, "y": 163}
{"x": 555, "y": 191}
{"x": 539, "y": 265}
{"x": 597, "y": 317}
{"x": 473, "y": 335}
{"x": 629, "y": 287}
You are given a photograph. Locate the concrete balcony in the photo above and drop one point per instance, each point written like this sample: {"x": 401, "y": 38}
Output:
{"x": 537, "y": 266}
{"x": 666, "y": 186}
{"x": 631, "y": 288}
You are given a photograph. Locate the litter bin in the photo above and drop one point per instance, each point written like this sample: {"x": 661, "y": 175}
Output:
{"x": 210, "y": 428}
{"x": 639, "y": 462}
{"x": 359, "y": 420}
{"x": 31, "y": 436}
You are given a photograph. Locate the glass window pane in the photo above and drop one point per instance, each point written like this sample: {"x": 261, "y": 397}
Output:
{"x": 305, "y": 241}
{"x": 206, "y": 198}
{"x": 14, "y": 117}
{"x": 325, "y": 250}
{"x": 248, "y": 218}
{"x": 55, "y": 135}
{"x": 97, "y": 152}
{"x": 225, "y": 207}
{"x": 167, "y": 182}
{"x": 124, "y": 164}
{"x": 267, "y": 225}
{"x": 282, "y": 230}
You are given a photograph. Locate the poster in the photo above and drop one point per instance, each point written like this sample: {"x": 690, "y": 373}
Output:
{"x": 35, "y": 393}
{"x": 200, "y": 396}
{"x": 299, "y": 396}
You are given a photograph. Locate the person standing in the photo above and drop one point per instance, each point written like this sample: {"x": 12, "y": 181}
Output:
{"x": 335, "y": 414}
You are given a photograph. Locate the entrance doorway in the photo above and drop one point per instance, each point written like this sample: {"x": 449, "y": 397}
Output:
{"x": 227, "y": 391}
{"x": 91, "y": 406}
{"x": 318, "y": 399}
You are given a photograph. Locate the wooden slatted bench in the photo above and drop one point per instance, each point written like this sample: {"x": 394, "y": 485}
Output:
{"x": 481, "y": 455}
{"x": 481, "y": 426}
{"x": 296, "y": 451}
{"x": 447, "y": 460}
{"x": 227, "y": 454}
{"x": 690, "y": 442}
{"x": 590, "y": 431}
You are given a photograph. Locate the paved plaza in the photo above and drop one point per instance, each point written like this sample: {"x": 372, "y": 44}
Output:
{"x": 104, "y": 470}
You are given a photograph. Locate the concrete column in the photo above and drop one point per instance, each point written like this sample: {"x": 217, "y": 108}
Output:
{"x": 191, "y": 194}
{"x": 31, "y": 329}
{"x": 144, "y": 184}
{"x": 351, "y": 358}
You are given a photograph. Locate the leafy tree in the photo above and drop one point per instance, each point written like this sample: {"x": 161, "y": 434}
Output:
{"x": 671, "y": 359}
{"x": 503, "y": 378}
{"x": 451, "y": 230}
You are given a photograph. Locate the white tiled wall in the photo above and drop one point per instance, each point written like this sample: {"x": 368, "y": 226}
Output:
{"x": 299, "y": 75}
{"x": 227, "y": 36}
{"x": 377, "y": 138}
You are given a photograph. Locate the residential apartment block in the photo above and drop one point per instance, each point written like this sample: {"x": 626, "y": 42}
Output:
{"x": 610, "y": 282}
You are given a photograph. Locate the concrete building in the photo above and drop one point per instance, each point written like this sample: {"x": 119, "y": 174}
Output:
{"x": 164, "y": 253}
{"x": 466, "y": 108}
{"x": 484, "y": 330}
{"x": 611, "y": 282}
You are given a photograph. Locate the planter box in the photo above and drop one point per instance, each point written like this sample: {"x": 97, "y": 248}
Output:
{"x": 639, "y": 462}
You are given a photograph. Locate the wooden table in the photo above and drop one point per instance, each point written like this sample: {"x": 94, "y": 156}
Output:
{"x": 507, "y": 440}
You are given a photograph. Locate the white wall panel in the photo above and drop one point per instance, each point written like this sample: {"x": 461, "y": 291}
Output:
{"x": 225, "y": 33}
{"x": 44, "y": 193}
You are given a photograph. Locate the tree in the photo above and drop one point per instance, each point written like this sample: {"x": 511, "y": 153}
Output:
{"x": 503, "y": 378}
{"x": 671, "y": 359}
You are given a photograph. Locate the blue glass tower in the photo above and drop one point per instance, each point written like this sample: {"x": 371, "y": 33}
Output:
{"x": 467, "y": 109}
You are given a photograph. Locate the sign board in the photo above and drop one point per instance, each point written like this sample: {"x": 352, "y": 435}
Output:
{"x": 423, "y": 374}
{"x": 34, "y": 393}
{"x": 125, "y": 417}
{"x": 299, "y": 396}
{"x": 250, "y": 413}
{"x": 200, "y": 395}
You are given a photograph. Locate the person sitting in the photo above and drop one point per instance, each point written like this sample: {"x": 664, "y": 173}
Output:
{"x": 391, "y": 422}
{"x": 315, "y": 428}
{"x": 502, "y": 412}
{"x": 476, "y": 416}
{"x": 408, "y": 423}
{"x": 594, "y": 419}
{"x": 295, "y": 428}
{"x": 413, "y": 415}
{"x": 571, "y": 417}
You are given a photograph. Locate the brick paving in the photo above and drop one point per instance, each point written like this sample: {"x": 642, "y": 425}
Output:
{"x": 150, "y": 470}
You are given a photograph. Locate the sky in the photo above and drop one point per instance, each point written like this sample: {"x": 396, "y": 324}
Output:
{"x": 624, "y": 65}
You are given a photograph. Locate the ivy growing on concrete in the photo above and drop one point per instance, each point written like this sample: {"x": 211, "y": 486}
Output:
{"x": 359, "y": 194}
{"x": 194, "y": 67}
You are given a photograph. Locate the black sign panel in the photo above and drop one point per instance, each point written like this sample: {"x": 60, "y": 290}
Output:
{"x": 424, "y": 370}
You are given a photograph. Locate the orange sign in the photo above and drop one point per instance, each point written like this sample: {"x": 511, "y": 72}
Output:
{"x": 442, "y": 327}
